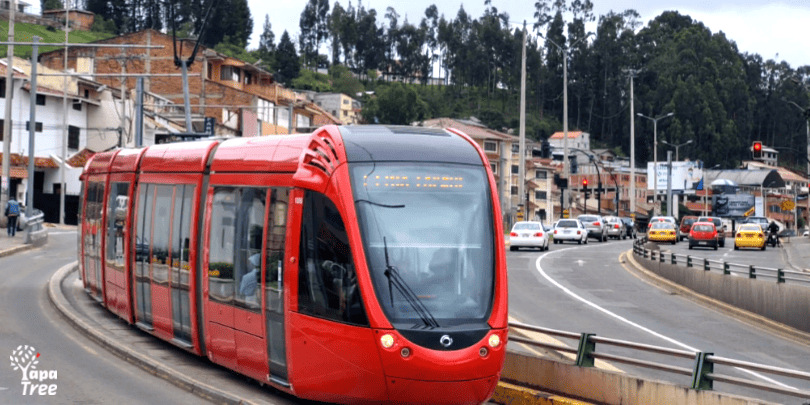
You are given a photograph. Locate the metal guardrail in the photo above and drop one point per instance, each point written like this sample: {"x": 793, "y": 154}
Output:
{"x": 702, "y": 374}
{"x": 36, "y": 233}
{"x": 727, "y": 268}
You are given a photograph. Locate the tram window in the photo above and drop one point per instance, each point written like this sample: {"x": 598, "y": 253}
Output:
{"x": 249, "y": 235}
{"x": 117, "y": 212}
{"x": 161, "y": 234}
{"x": 327, "y": 282}
{"x": 276, "y": 229}
{"x": 221, "y": 253}
{"x": 181, "y": 226}
{"x": 143, "y": 241}
{"x": 97, "y": 231}
{"x": 237, "y": 230}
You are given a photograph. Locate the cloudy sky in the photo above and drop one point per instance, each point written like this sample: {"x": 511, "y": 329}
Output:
{"x": 777, "y": 30}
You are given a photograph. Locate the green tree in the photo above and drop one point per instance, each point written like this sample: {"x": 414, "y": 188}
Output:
{"x": 344, "y": 82}
{"x": 396, "y": 104}
{"x": 50, "y": 4}
{"x": 286, "y": 63}
{"x": 309, "y": 80}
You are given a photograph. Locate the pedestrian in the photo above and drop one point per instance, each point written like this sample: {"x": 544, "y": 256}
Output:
{"x": 12, "y": 212}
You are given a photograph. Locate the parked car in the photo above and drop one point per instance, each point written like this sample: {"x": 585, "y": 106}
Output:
{"x": 703, "y": 234}
{"x": 528, "y": 234}
{"x": 596, "y": 225}
{"x": 671, "y": 220}
{"x": 631, "y": 226}
{"x": 686, "y": 226}
{"x": 719, "y": 226}
{"x": 663, "y": 231}
{"x": 616, "y": 228}
{"x": 570, "y": 230}
{"x": 749, "y": 235}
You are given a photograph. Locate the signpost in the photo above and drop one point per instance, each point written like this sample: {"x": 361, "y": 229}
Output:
{"x": 565, "y": 213}
{"x": 788, "y": 205}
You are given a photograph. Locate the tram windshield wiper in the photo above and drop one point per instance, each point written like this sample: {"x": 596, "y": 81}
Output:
{"x": 395, "y": 280}
{"x": 379, "y": 204}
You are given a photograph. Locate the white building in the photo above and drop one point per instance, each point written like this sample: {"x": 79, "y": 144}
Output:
{"x": 576, "y": 139}
{"x": 83, "y": 127}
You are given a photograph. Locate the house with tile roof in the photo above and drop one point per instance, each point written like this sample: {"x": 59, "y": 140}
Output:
{"x": 576, "y": 139}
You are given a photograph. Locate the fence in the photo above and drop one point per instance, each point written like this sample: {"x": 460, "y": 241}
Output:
{"x": 702, "y": 374}
{"x": 727, "y": 268}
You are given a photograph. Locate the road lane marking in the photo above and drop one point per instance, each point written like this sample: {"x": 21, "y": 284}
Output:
{"x": 633, "y": 324}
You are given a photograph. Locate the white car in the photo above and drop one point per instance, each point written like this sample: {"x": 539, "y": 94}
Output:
{"x": 528, "y": 234}
{"x": 570, "y": 230}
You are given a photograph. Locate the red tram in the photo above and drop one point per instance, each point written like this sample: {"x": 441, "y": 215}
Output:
{"x": 356, "y": 264}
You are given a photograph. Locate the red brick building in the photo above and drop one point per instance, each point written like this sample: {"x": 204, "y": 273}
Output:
{"x": 243, "y": 98}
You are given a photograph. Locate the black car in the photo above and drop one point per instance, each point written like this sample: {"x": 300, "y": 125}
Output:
{"x": 630, "y": 225}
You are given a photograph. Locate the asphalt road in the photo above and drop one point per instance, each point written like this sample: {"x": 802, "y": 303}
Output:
{"x": 84, "y": 372}
{"x": 586, "y": 289}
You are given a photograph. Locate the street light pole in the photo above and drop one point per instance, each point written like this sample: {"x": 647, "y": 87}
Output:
{"x": 677, "y": 147}
{"x": 566, "y": 169}
{"x": 655, "y": 154}
{"x": 632, "y": 73}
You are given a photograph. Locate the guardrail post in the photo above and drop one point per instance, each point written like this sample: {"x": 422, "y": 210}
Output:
{"x": 780, "y": 276}
{"x": 586, "y": 347}
{"x": 752, "y": 272}
{"x": 645, "y": 253}
{"x": 702, "y": 367}
{"x": 674, "y": 259}
{"x": 688, "y": 261}
{"x": 661, "y": 256}
{"x": 726, "y": 269}
{"x": 706, "y": 264}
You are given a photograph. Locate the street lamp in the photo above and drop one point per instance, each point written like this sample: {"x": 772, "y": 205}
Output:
{"x": 566, "y": 170}
{"x": 655, "y": 153}
{"x": 677, "y": 147}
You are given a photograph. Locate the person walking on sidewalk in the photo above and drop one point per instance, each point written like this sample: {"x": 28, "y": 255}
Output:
{"x": 12, "y": 212}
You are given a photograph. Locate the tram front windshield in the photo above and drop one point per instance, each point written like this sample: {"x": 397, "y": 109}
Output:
{"x": 428, "y": 236}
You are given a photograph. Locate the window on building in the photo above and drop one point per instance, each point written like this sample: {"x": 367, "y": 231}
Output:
{"x": 77, "y": 105}
{"x": 515, "y": 169}
{"x": 303, "y": 121}
{"x": 494, "y": 167}
{"x": 539, "y": 195}
{"x": 73, "y": 137}
{"x": 515, "y": 148}
{"x": 541, "y": 174}
{"x": 2, "y": 88}
{"x": 86, "y": 93}
{"x": 40, "y": 99}
{"x": 37, "y": 126}
{"x": 514, "y": 190}
{"x": 2, "y": 128}
{"x": 209, "y": 70}
{"x": 229, "y": 73}
{"x": 265, "y": 110}
{"x": 283, "y": 116}
{"x": 248, "y": 78}
{"x": 490, "y": 146}
{"x": 345, "y": 101}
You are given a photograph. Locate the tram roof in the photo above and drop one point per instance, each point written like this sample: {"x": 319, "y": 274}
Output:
{"x": 100, "y": 162}
{"x": 126, "y": 160}
{"x": 267, "y": 154}
{"x": 180, "y": 157}
{"x": 375, "y": 143}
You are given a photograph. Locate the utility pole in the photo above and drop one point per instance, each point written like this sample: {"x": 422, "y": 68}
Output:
{"x": 669, "y": 184}
{"x": 5, "y": 184}
{"x": 522, "y": 149}
{"x": 632, "y": 73}
{"x": 63, "y": 169}
{"x": 32, "y": 127}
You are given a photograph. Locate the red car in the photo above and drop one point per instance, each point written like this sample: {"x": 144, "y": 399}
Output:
{"x": 686, "y": 226}
{"x": 703, "y": 234}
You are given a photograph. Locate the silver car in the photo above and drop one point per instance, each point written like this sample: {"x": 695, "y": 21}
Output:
{"x": 616, "y": 228}
{"x": 570, "y": 230}
{"x": 596, "y": 225}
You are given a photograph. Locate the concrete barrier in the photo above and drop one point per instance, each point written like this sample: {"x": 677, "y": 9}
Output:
{"x": 605, "y": 387}
{"x": 787, "y": 304}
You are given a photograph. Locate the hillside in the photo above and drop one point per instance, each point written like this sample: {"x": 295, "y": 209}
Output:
{"x": 24, "y": 32}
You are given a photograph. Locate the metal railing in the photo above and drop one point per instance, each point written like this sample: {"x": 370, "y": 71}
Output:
{"x": 727, "y": 268}
{"x": 702, "y": 374}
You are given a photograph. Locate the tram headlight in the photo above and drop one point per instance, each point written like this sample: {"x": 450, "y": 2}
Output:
{"x": 387, "y": 341}
{"x": 494, "y": 341}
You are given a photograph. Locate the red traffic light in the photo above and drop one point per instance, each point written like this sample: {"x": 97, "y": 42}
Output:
{"x": 584, "y": 182}
{"x": 757, "y": 146}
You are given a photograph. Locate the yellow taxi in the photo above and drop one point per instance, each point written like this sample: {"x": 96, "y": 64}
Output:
{"x": 663, "y": 232}
{"x": 749, "y": 236}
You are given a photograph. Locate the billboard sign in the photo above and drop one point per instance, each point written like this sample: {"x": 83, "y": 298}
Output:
{"x": 732, "y": 205}
{"x": 685, "y": 176}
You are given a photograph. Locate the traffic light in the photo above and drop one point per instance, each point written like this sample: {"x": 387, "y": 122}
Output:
{"x": 757, "y": 150}
{"x": 584, "y": 184}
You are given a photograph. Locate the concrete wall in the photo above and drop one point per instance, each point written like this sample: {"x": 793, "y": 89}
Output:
{"x": 784, "y": 303}
{"x": 590, "y": 384}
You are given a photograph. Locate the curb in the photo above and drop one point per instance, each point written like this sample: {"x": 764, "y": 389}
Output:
{"x": 511, "y": 394}
{"x": 16, "y": 249}
{"x": 152, "y": 366}
{"x": 711, "y": 303}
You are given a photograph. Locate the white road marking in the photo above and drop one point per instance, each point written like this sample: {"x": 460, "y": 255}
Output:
{"x": 633, "y": 324}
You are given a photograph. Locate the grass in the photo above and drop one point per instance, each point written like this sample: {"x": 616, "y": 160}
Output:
{"x": 25, "y": 33}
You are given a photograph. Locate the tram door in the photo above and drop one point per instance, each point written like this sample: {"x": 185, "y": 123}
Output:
{"x": 276, "y": 229}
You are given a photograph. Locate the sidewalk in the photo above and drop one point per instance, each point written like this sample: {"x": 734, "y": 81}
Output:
{"x": 10, "y": 245}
